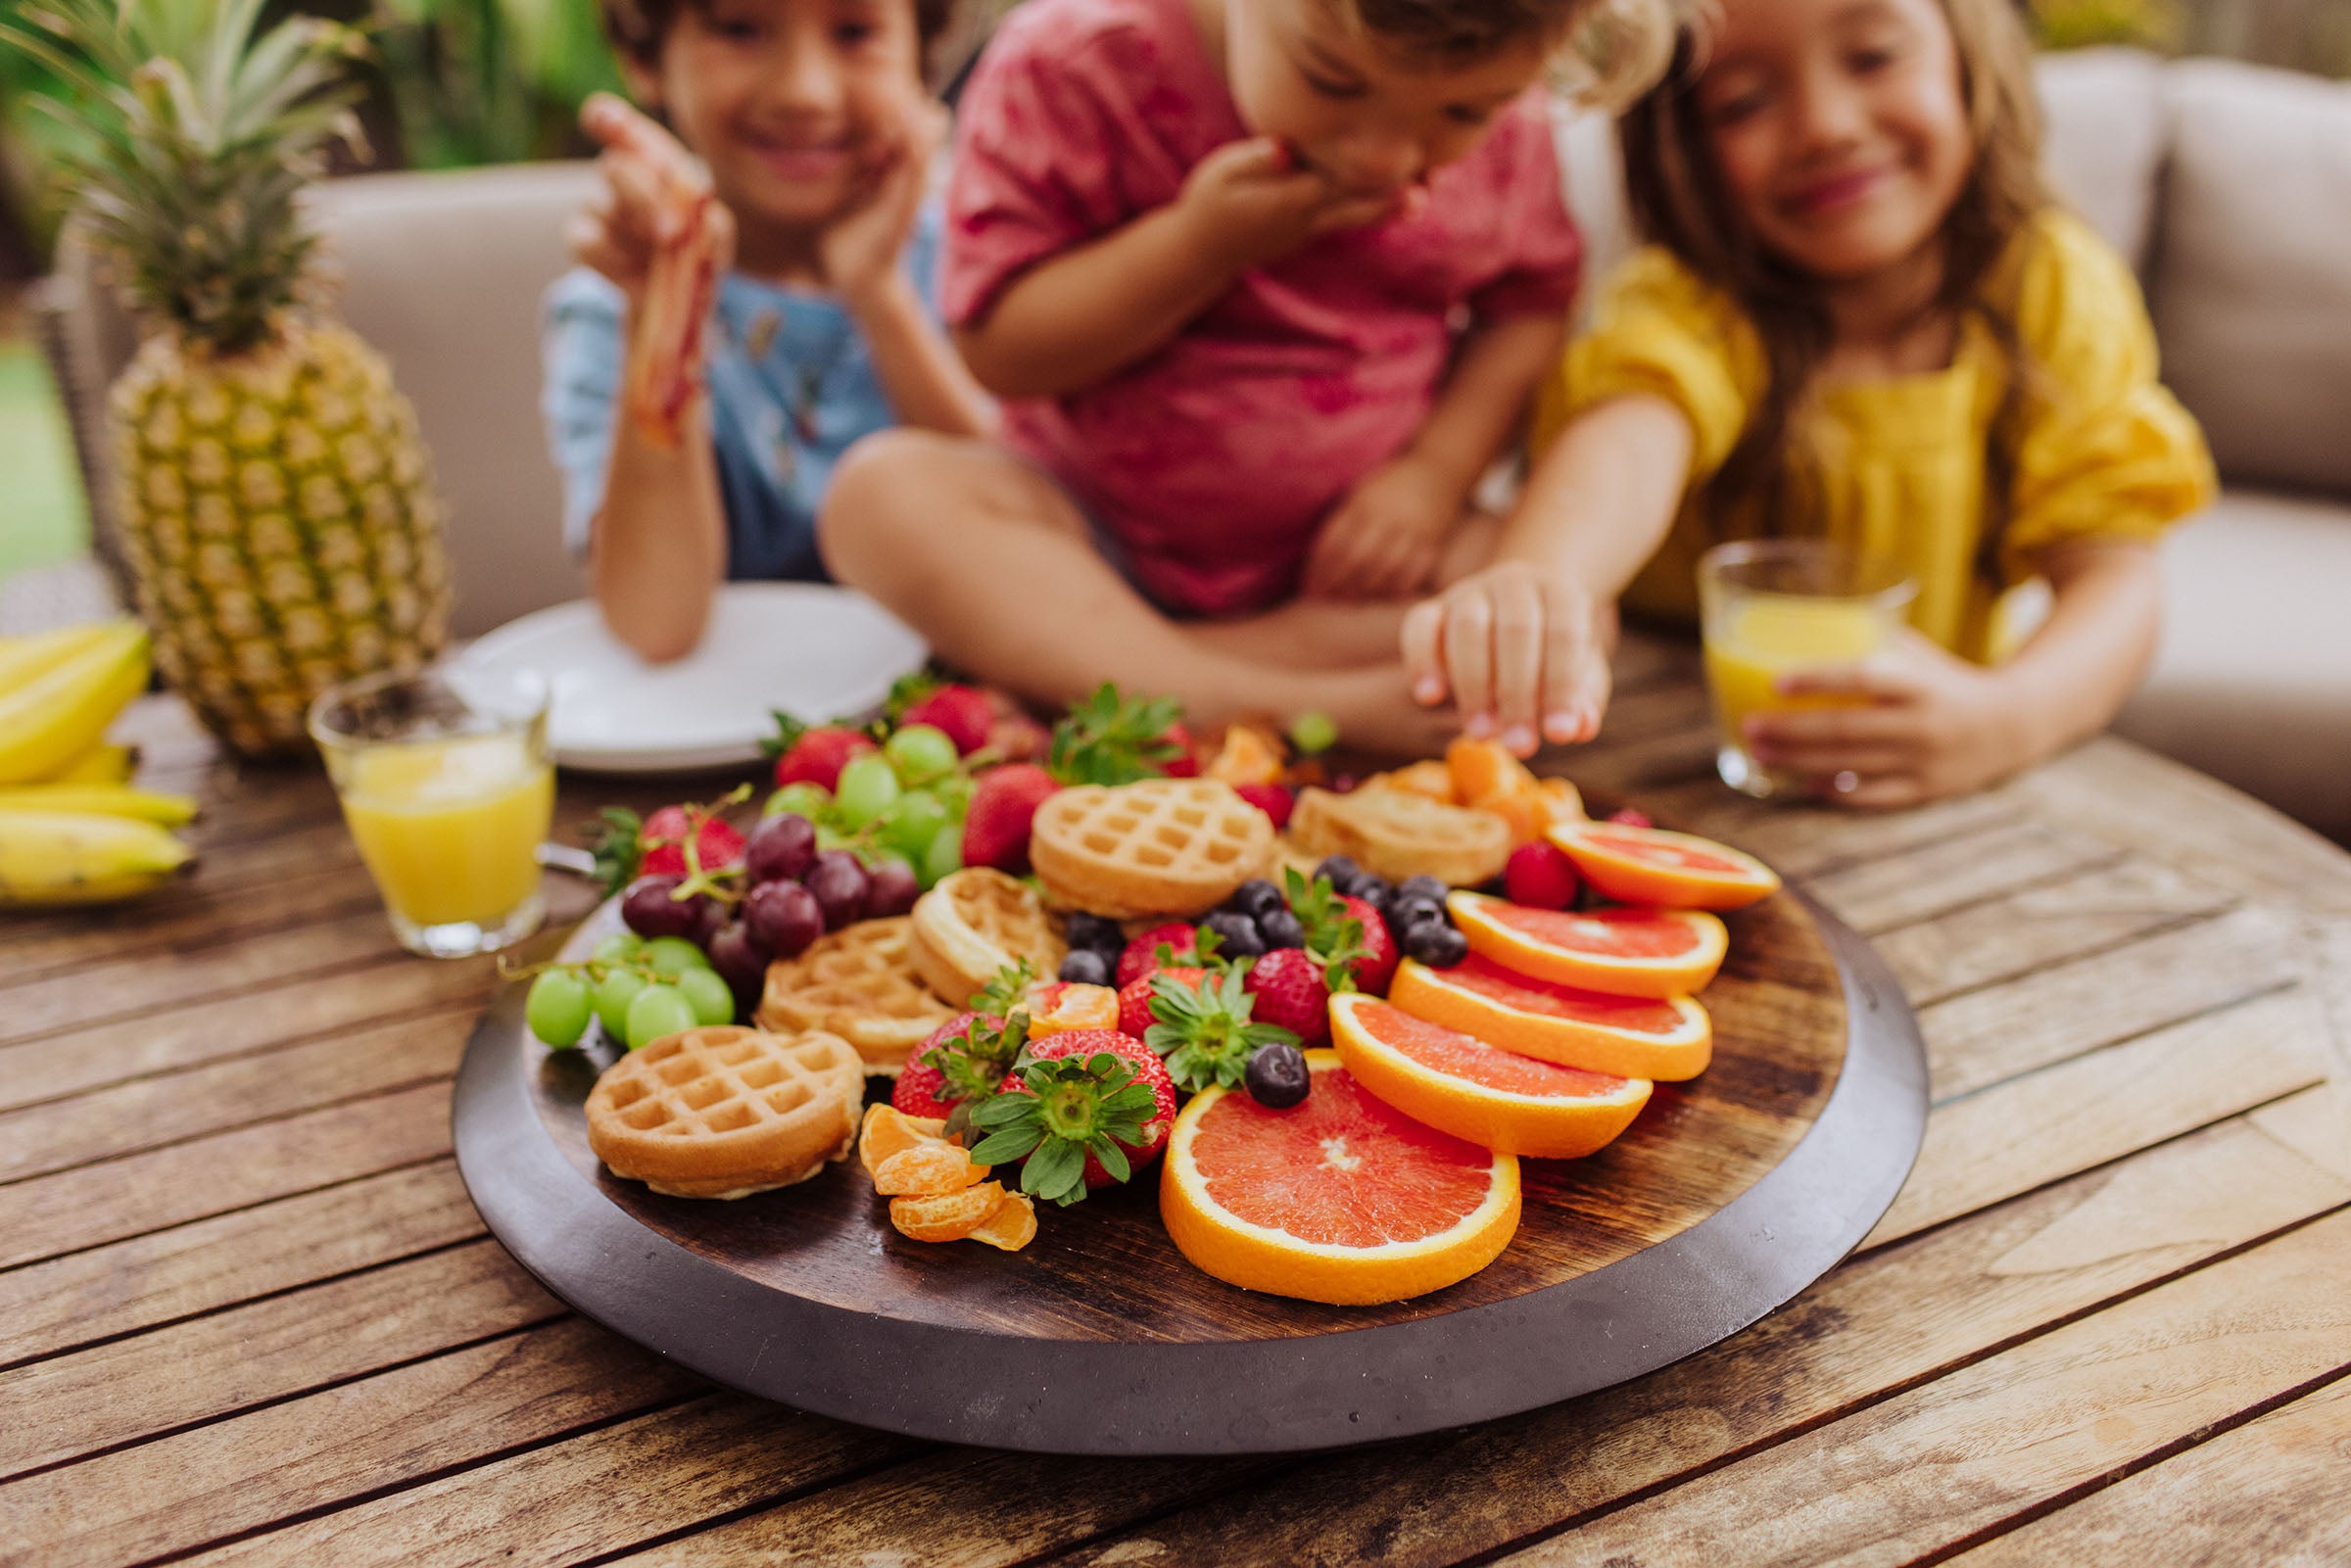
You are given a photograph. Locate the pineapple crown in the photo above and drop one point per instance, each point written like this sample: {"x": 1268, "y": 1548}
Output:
{"x": 204, "y": 137}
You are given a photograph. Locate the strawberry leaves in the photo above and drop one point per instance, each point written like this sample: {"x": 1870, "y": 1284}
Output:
{"x": 971, "y": 1066}
{"x": 1075, "y": 1106}
{"x": 1107, "y": 740}
{"x": 1333, "y": 936}
{"x": 1205, "y": 1030}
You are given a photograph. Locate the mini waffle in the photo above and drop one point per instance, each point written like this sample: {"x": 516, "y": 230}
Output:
{"x": 975, "y": 923}
{"x": 859, "y": 982}
{"x": 1163, "y": 847}
{"x": 1399, "y": 835}
{"x": 725, "y": 1113}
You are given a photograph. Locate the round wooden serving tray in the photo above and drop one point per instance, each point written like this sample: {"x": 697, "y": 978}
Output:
{"x": 1728, "y": 1196}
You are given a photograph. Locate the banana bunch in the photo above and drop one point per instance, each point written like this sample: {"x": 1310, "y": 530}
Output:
{"x": 72, "y": 830}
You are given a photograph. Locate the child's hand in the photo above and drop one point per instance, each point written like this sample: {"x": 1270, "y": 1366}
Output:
{"x": 1522, "y": 652}
{"x": 1930, "y": 724}
{"x": 859, "y": 250}
{"x": 1252, "y": 202}
{"x": 1383, "y": 542}
{"x": 648, "y": 179}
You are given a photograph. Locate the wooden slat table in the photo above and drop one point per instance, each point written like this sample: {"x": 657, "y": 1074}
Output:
{"x": 248, "y": 1314}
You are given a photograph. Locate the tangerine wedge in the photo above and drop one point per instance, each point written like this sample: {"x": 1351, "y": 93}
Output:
{"x": 1623, "y": 952}
{"x": 1629, "y": 1036}
{"x": 1059, "y": 1005}
{"x": 947, "y": 1217}
{"x": 888, "y": 1131}
{"x": 1428, "y": 776}
{"x": 927, "y": 1170}
{"x": 1561, "y": 801}
{"x": 1011, "y": 1227}
{"x": 1341, "y": 1198}
{"x": 1459, "y": 1084}
{"x": 1655, "y": 866}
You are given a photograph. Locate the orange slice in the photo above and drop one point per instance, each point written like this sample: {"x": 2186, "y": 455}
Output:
{"x": 1630, "y": 1036}
{"x": 1653, "y": 866}
{"x": 1059, "y": 1005}
{"x": 1561, "y": 801}
{"x": 1011, "y": 1227}
{"x": 1623, "y": 952}
{"x": 1342, "y": 1197}
{"x": 1459, "y": 1084}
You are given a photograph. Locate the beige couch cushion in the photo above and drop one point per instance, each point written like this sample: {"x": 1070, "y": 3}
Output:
{"x": 2253, "y": 682}
{"x": 2102, "y": 130}
{"x": 2251, "y": 282}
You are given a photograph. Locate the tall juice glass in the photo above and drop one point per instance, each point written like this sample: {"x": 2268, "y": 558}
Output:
{"x": 1774, "y": 607}
{"x": 447, "y": 788}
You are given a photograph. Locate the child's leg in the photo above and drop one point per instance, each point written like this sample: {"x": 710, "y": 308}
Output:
{"x": 993, "y": 564}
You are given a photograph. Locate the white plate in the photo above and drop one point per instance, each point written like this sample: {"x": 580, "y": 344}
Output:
{"x": 814, "y": 652}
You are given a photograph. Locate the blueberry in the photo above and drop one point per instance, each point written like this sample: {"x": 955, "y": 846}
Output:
{"x": 1407, "y": 910}
{"x": 1278, "y": 1076}
{"x": 1423, "y": 885}
{"x": 1338, "y": 871}
{"x": 1373, "y": 889}
{"x": 1256, "y": 898}
{"x": 1436, "y": 944}
{"x": 1240, "y": 932}
{"x": 1094, "y": 934}
{"x": 1281, "y": 930}
{"x": 1086, "y": 966}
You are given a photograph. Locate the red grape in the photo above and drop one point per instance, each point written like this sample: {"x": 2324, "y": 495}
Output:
{"x": 782, "y": 848}
{"x": 891, "y": 889}
{"x": 741, "y": 962}
{"x": 839, "y": 883}
{"x": 650, "y": 911}
{"x": 783, "y": 917}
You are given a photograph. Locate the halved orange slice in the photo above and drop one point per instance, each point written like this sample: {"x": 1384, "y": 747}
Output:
{"x": 1459, "y": 1084}
{"x": 1341, "y": 1198}
{"x": 1654, "y": 866}
{"x": 1623, "y": 952}
{"x": 1631, "y": 1037}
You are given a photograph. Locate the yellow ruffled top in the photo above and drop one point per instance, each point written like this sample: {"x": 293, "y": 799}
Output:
{"x": 1898, "y": 465}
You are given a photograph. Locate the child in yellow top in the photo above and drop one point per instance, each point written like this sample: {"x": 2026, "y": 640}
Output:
{"x": 1862, "y": 318}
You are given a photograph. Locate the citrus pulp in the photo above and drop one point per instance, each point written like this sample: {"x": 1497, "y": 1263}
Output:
{"x": 1623, "y": 952}
{"x": 1630, "y": 1036}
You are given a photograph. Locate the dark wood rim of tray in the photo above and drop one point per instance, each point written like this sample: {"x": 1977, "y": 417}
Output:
{"x": 960, "y": 1385}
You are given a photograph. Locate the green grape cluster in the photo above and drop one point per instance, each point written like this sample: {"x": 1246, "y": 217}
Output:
{"x": 639, "y": 990}
{"x": 905, "y": 802}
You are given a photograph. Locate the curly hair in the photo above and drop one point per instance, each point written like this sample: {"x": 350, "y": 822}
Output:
{"x": 636, "y": 27}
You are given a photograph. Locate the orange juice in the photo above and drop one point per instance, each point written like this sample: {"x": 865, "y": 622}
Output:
{"x": 451, "y": 827}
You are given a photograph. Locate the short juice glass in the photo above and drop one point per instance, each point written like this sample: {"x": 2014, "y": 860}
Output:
{"x": 1773, "y": 607}
{"x": 447, "y": 788}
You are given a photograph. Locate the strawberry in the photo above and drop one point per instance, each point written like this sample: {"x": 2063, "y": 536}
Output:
{"x": 1540, "y": 875}
{"x": 1293, "y": 993}
{"x": 1134, "y": 997}
{"x": 962, "y": 711}
{"x": 959, "y": 1065}
{"x": 1343, "y": 934}
{"x": 1373, "y": 972}
{"x": 1017, "y": 738}
{"x": 1109, "y": 739}
{"x": 661, "y": 842}
{"x": 1271, "y": 799}
{"x": 1004, "y": 802}
{"x": 1183, "y": 764}
{"x": 1630, "y": 818}
{"x": 1179, "y": 937}
{"x": 816, "y": 756}
{"x": 1205, "y": 1027}
{"x": 1084, "y": 1109}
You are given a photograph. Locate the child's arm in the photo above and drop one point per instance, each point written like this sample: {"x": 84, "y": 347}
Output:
{"x": 926, "y": 384}
{"x": 1385, "y": 539}
{"x": 1519, "y": 645}
{"x": 1934, "y": 725}
{"x": 1075, "y": 319}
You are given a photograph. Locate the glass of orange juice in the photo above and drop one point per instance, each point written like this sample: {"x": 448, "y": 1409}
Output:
{"x": 1772, "y": 607}
{"x": 447, "y": 788}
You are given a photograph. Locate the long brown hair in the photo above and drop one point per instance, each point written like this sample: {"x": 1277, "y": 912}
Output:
{"x": 1679, "y": 201}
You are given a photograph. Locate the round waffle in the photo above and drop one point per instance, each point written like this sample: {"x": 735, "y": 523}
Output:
{"x": 975, "y": 923}
{"x": 1163, "y": 847}
{"x": 1398, "y": 834}
{"x": 725, "y": 1113}
{"x": 859, "y": 982}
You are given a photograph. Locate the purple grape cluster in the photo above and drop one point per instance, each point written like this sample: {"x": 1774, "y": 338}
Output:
{"x": 793, "y": 894}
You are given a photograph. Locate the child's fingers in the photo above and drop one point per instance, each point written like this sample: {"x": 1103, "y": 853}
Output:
{"x": 1423, "y": 641}
{"x": 1847, "y": 728}
{"x": 1518, "y": 615}
{"x": 1353, "y": 211}
{"x": 639, "y": 211}
{"x": 592, "y": 246}
{"x": 1876, "y": 681}
{"x": 1883, "y": 792}
{"x": 1576, "y": 677}
{"x": 1469, "y": 657}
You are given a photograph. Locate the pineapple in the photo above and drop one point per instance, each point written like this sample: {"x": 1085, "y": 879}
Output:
{"x": 276, "y": 507}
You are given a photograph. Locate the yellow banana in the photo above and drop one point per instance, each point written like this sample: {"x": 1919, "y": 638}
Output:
{"x": 53, "y": 857}
{"x": 59, "y": 714}
{"x": 109, "y": 762}
{"x": 24, "y": 657}
{"x": 100, "y": 801}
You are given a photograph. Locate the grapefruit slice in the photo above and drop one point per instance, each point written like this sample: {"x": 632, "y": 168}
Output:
{"x": 1629, "y": 1036}
{"x": 1341, "y": 1199}
{"x": 1459, "y": 1084}
{"x": 1653, "y": 866}
{"x": 1623, "y": 952}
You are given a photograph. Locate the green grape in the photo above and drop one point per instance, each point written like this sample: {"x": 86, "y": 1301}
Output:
{"x": 619, "y": 947}
{"x": 946, "y": 854}
{"x": 709, "y": 996}
{"x": 867, "y": 787}
{"x": 828, "y": 836}
{"x": 656, "y": 1011}
{"x": 801, "y": 796}
{"x": 1311, "y": 733}
{"x": 921, "y": 753}
{"x": 673, "y": 955}
{"x": 913, "y": 820}
{"x": 558, "y": 1009}
{"x": 613, "y": 994}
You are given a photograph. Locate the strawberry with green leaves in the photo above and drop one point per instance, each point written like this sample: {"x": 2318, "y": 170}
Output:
{"x": 1204, "y": 1028}
{"x": 1108, "y": 739}
{"x": 1083, "y": 1109}
{"x": 965, "y": 1059}
{"x": 1293, "y": 984}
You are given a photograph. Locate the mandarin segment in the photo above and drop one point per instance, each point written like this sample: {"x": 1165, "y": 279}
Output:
{"x": 889, "y": 1131}
{"x": 1011, "y": 1227}
{"x": 927, "y": 1170}
{"x": 947, "y": 1217}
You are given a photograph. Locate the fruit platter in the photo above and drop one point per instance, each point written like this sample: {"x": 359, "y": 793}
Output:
{"x": 1110, "y": 1089}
